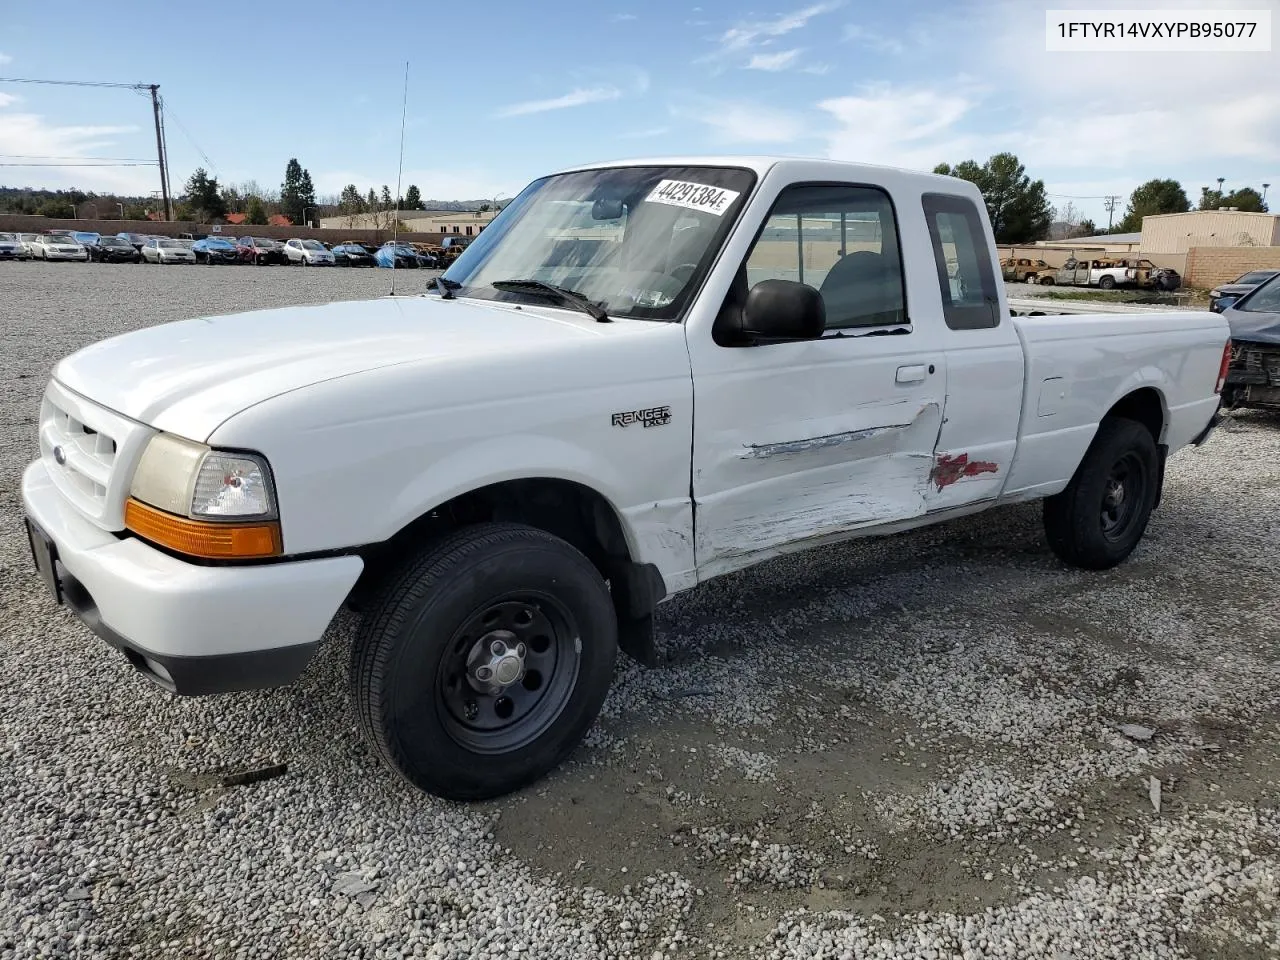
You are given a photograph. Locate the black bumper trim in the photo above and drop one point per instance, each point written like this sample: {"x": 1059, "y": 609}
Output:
{"x": 193, "y": 676}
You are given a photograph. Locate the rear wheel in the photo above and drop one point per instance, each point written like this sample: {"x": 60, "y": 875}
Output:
{"x": 1097, "y": 521}
{"x": 1046, "y": 280}
{"x": 481, "y": 667}
{"x": 1107, "y": 282}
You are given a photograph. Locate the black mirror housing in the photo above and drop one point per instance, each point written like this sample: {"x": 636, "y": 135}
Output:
{"x": 779, "y": 310}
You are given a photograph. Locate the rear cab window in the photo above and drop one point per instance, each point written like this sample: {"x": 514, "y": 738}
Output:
{"x": 966, "y": 280}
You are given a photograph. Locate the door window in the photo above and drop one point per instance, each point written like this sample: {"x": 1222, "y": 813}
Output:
{"x": 965, "y": 278}
{"x": 840, "y": 240}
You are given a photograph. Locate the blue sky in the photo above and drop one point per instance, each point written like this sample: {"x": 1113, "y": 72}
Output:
{"x": 503, "y": 91}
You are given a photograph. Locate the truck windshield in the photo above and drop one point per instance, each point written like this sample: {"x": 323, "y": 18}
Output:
{"x": 636, "y": 241}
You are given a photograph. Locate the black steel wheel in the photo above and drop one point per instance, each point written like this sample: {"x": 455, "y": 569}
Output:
{"x": 1097, "y": 521}
{"x": 484, "y": 661}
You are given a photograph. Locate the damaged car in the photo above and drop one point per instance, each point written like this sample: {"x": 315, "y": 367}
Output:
{"x": 1253, "y": 379}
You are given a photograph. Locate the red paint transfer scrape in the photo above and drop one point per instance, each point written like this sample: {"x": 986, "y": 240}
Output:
{"x": 950, "y": 468}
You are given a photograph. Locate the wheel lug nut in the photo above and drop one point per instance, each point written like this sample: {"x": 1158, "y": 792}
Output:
{"x": 498, "y": 648}
{"x": 520, "y": 650}
{"x": 484, "y": 673}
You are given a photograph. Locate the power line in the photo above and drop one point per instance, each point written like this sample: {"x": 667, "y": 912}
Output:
{"x": 1110, "y": 205}
{"x": 49, "y": 156}
{"x": 141, "y": 163}
{"x": 75, "y": 83}
{"x": 186, "y": 133}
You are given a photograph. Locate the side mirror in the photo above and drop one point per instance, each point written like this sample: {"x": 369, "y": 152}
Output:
{"x": 783, "y": 310}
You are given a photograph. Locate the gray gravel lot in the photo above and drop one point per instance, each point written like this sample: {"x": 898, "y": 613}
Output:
{"x": 905, "y": 747}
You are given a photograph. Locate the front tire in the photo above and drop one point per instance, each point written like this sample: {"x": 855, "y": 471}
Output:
{"x": 482, "y": 665}
{"x": 1107, "y": 282}
{"x": 1097, "y": 521}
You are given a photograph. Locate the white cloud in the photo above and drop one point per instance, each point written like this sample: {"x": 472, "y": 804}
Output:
{"x": 7, "y": 100}
{"x": 623, "y": 17}
{"x": 774, "y": 62}
{"x": 914, "y": 128}
{"x": 869, "y": 38}
{"x": 817, "y": 69}
{"x": 5, "y": 58}
{"x": 574, "y": 98}
{"x": 31, "y": 135}
{"x": 644, "y": 134}
{"x": 740, "y": 122}
{"x": 743, "y": 37}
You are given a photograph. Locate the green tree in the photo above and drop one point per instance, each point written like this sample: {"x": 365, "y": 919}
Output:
{"x": 1085, "y": 228}
{"x": 371, "y": 201}
{"x": 1247, "y": 199}
{"x": 292, "y": 196}
{"x": 306, "y": 197}
{"x": 412, "y": 198}
{"x": 386, "y": 197}
{"x": 203, "y": 200}
{"x": 255, "y": 212}
{"x": 349, "y": 201}
{"x": 1017, "y": 205}
{"x": 1152, "y": 198}
{"x": 59, "y": 206}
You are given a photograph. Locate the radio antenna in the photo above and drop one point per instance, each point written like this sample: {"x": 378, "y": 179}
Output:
{"x": 395, "y": 223}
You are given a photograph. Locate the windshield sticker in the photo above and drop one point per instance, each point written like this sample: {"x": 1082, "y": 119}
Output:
{"x": 693, "y": 196}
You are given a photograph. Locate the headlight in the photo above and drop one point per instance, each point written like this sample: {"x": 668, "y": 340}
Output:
{"x": 203, "y": 502}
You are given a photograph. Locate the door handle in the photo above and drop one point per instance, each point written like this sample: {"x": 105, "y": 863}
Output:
{"x": 912, "y": 374}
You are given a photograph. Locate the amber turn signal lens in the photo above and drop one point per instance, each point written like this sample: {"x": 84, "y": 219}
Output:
{"x": 200, "y": 538}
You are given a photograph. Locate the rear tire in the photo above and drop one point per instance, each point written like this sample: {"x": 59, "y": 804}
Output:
{"x": 1046, "y": 281}
{"x": 1107, "y": 282}
{"x": 1097, "y": 521}
{"x": 424, "y": 659}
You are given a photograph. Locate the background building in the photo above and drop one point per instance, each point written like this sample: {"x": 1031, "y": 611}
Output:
{"x": 444, "y": 222}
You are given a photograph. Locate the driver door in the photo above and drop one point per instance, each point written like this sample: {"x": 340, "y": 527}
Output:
{"x": 799, "y": 442}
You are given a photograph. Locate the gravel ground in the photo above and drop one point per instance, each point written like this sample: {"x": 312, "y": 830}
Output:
{"x": 935, "y": 745}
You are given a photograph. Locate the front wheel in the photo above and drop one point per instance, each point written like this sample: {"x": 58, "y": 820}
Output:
{"x": 1046, "y": 281}
{"x": 1107, "y": 283}
{"x": 1097, "y": 521}
{"x": 485, "y": 661}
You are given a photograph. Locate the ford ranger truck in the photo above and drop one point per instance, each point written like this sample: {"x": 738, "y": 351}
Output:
{"x": 640, "y": 376}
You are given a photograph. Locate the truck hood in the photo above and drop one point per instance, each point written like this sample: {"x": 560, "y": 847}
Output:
{"x": 1251, "y": 327}
{"x": 191, "y": 375}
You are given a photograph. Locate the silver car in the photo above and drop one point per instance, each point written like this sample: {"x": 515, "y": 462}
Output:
{"x": 309, "y": 253}
{"x": 164, "y": 250}
{"x": 50, "y": 247}
{"x": 11, "y": 248}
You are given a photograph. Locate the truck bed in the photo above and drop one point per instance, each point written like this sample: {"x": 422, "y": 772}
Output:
{"x": 1078, "y": 366}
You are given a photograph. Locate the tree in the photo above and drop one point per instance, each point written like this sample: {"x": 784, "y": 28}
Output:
{"x": 296, "y": 192}
{"x": 255, "y": 212}
{"x": 386, "y": 197}
{"x": 371, "y": 201}
{"x": 1152, "y": 198}
{"x": 1086, "y": 229}
{"x": 1246, "y": 198}
{"x": 349, "y": 201}
{"x": 202, "y": 198}
{"x": 412, "y": 198}
{"x": 1017, "y": 205}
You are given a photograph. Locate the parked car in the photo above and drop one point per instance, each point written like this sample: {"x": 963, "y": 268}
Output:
{"x": 405, "y": 257}
{"x": 113, "y": 250}
{"x": 215, "y": 250}
{"x": 167, "y": 250}
{"x": 353, "y": 255}
{"x": 12, "y": 248}
{"x": 1026, "y": 270}
{"x": 259, "y": 251}
{"x": 1094, "y": 273}
{"x": 1253, "y": 379}
{"x": 63, "y": 235}
{"x": 501, "y": 550}
{"x": 309, "y": 253}
{"x": 50, "y": 247}
{"x": 137, "y": 239}
{"x": 1224, "y": 295}
{"x": 29, "y": 241}
{"x": 86, "y": 238}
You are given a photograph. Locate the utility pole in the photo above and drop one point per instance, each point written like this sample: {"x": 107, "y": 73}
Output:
{"x": 164, "y": 162}
{"x": 1110, "y": 204}
{"x": 1264, "y": 192}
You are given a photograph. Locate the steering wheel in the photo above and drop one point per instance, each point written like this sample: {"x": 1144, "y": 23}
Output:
{"x": 682, "y": 272}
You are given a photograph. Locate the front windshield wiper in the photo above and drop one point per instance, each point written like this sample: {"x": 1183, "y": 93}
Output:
{"x": 570, "y": 298}
{"x": 446, "y": 287}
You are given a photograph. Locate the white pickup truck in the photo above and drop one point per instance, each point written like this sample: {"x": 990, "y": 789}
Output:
{"x": 642, "y": 375}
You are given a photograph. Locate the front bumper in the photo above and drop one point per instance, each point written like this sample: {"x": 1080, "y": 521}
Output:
{"x": 193, "y": 629}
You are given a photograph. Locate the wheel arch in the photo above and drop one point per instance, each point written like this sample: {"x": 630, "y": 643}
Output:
{"x": 1148, "y": 406}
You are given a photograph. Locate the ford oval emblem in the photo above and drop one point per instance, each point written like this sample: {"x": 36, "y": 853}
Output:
{"x": 60, "y": 455}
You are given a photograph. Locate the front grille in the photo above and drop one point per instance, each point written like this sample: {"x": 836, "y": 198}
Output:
{"x": 90, "y": 453}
